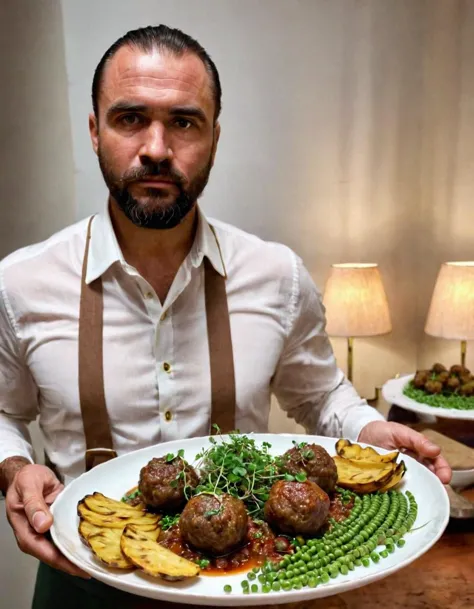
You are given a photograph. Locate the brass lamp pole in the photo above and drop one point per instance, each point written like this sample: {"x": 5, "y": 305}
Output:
{"x": 356, "y": 305}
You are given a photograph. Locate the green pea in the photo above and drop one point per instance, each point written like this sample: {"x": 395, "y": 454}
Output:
{"x": 312, "y": 583}
{"x": 400, "y": 543}
{"x": 276, "y": 587}
{"x": 286, "y": 585}
{"x": 266, "y": 588}
{"x": 383, "y": 553}
{"x": 344, "y": 569}
{"x": 227, "y": 588}
{"x": 366, "y": 561}
{"x": 251, "y": 575}
{"x": 244, "y": 583}
{"x": 254, "y": 587}
{"x": 297, "y": 586}
{"x": 325, "y": 578}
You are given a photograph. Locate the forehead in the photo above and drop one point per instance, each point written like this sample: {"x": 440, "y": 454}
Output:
{"x": 156, "y": 78}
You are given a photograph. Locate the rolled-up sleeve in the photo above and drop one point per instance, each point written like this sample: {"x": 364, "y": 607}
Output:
{"x": 18, "y": 392}
{"x": 308, "y": 384}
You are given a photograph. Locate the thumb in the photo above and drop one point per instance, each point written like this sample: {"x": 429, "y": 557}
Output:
{"x": 408, "y": 438}
{"x": 31, "y": 489}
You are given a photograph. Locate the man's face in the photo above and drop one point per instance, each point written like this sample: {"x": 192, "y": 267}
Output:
{"x": 155, "y": 135}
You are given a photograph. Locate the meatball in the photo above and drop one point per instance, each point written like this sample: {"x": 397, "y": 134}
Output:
{"x": 453, "y": 383}
{"x": 420, "y": 379}
{"x": 297, "y": 508}
{"x": 162, "y": 482}
{"x": 434, "y": 387}
{"x": 214, "y": 523}
{"x": 315, "y": 462}
{"x": 443, "y": 377}
{"x": 467, "y": 389}
{"x": 438, "y": 368}
{"x": 459, "y": 370}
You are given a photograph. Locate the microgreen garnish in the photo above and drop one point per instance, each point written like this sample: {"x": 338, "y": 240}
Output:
{"x": 168, "y": 521}
{"x": 238, "y": 467}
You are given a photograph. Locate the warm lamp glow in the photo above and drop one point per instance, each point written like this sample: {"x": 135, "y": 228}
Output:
{"x": 451, "y": 313}
{"x": 355, "y": 301}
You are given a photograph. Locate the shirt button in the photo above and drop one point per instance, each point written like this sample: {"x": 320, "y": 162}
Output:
{"x": 168, "y": 415}
{"x": 166, "y": 367}
{"x": 148, "y": 295}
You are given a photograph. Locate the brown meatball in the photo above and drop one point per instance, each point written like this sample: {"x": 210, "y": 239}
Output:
{"x": 438, "y": 368}
{"x": 162, "y": 482}
{"x": 297, "y": 508}
{"x": 420, "y": 379}
{"x": 214, "y": 523}
{"x": 453, "y": 383}
{"x": 434, "y": 387}
{"x": 315, "y": 462}
{"x": 459, "y": 370}
{"x": 467, "y": 389}
{"x": 443, "y": 377}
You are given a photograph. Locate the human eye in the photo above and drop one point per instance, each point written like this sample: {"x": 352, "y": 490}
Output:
{"x": 130, "y": 120}
{"x": 183, "y": 123}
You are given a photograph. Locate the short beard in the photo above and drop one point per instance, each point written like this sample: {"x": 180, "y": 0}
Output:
{"x": 151, "y": 214}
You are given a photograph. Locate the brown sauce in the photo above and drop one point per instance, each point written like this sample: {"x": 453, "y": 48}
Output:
{"x": 260, "y": 544}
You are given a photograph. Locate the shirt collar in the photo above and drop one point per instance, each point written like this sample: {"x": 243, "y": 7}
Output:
{"x": 104, "y": 249}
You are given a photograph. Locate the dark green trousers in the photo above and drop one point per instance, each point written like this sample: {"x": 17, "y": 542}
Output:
{"x": 57, "y": 590}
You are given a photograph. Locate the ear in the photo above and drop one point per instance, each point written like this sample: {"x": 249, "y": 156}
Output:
{"x": 94, "y": 131}
{"x": 217, "y": 134}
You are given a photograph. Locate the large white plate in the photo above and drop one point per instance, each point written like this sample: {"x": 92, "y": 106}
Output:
{"x": 117, "y": 476}
{"x": 392, "y": 392}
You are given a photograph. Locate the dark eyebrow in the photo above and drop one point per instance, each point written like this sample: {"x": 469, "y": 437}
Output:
{"x": 123, "y": 106}
{"x": 188, "y": 111}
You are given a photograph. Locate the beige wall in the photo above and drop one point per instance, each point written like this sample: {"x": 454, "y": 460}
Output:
{"x": 36, "y": 182}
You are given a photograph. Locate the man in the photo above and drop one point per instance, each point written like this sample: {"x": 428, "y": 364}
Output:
{"x": 122, "y": 330}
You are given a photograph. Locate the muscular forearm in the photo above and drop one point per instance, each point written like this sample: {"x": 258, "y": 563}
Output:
{"x": 8, "y": 469}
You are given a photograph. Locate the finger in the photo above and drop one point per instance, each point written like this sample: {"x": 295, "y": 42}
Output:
{"x": 38, "y": 546}
{"x": 51, "y": 497}
{"x": 415, "y": 441}
{"x": 48, "y": 553}
{"x": 30, "y": 491}
{"x": 443, "y": 470}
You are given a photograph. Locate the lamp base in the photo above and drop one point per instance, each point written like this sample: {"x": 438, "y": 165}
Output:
{"x": 376, "y": 398}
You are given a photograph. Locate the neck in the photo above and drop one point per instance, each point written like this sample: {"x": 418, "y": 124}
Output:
{"x": 156, "y": 254}
{"x": 144, "y": 245}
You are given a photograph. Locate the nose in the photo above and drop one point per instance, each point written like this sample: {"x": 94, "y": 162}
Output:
{"x": 155, "y": 147}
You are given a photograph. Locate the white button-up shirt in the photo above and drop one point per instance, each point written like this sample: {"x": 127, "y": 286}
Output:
{"x": 156, "y": 358}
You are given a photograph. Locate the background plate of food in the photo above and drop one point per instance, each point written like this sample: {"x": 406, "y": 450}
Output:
{"x": 249, "y": 519}
{"x": 442, "y": 392}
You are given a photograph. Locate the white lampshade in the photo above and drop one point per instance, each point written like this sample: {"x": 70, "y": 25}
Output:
{"x": 355, "y": 301}
{"x": 451, "y": 312}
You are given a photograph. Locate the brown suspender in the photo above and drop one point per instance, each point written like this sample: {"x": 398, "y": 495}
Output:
{"x": 99, "y": 445}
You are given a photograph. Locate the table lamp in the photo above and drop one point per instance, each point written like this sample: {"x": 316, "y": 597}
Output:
{"x": 451, "y": 312}
{"x": 356, "y": 305}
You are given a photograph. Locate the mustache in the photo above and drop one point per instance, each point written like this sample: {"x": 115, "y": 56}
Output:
{"x": 152, "y": 171}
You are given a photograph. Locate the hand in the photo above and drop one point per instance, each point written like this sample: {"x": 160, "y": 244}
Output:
{"x": 396, "y": 436}
{"x": 31, "y": 492}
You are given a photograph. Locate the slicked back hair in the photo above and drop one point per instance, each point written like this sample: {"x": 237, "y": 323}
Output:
{"x": 161, "y": 38}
